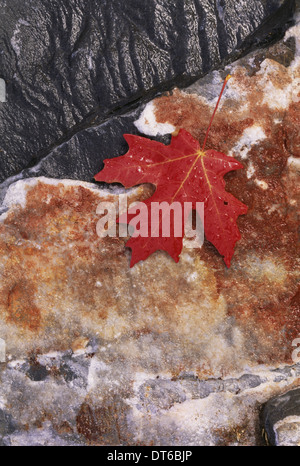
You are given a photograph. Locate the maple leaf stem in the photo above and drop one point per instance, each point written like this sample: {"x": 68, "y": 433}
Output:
{"x": 216, "y": 107}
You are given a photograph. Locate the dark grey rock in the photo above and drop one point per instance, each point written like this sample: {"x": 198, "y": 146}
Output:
{"x": 277, "y": 409}
{"x": 68, "y": 374}
{"x": 69, "y": 66}
{"x": 81, "y": 157}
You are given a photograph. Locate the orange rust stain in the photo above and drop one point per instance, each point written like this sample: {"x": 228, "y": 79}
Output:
{"x": 21, "y": 309}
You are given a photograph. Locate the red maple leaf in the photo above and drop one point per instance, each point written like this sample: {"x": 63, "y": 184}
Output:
{"x": 181, "y": 172}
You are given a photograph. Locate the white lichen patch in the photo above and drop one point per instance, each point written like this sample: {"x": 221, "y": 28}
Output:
{"x": 261, "y": 183}
{"x": 96, "y": 370}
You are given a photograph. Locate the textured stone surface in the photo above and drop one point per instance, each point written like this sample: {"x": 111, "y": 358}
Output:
{"x": 163, "y": 353}
{"x": 71, "y": 66}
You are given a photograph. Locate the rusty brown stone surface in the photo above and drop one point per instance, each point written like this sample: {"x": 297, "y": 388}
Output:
{"x": 163, "y": 347}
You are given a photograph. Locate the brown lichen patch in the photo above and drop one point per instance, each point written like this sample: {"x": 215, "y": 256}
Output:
{"x": 291, "y": 122}
{"x": 82, "y": 284}
{"x": 63, "y": 428}
{"x": 41, "y": 243}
